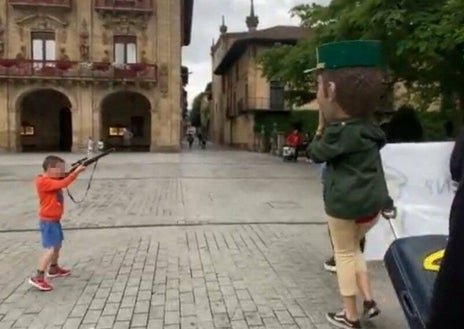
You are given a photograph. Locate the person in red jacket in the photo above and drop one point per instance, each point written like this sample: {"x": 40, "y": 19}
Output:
{"x": 294, "y": 141}
{"x": 49, "y": 187}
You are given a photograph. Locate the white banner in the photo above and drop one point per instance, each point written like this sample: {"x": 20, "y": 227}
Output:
{"x": 419, "y": 181}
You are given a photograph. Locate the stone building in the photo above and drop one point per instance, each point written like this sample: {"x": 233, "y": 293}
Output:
{"x": 70, "y": 69}
{"x": 239, "y": 90}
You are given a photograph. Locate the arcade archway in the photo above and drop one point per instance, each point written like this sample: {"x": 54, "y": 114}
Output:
{"x": 45, "y": 122}
{"x": 126, "y": 121}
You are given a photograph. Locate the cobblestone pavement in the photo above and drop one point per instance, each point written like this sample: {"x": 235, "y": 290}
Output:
{"x": 255, "y": 263}
{"x": 195, "y": 188}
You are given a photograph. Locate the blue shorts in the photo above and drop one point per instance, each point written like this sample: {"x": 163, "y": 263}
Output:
{"x": 52, "y": 234}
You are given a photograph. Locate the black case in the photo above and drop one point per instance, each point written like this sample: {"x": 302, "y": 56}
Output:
{"x": 413, "y": 284}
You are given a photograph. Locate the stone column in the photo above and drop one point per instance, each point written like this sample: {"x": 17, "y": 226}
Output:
{"x": 4, "y": 142}
{"x": 96, "y": 120}
{"x": 13, "y": 130}
{"x": 76, "y": 140}
{"x": 86, "y": 118}
{"x": 169, "y": 51}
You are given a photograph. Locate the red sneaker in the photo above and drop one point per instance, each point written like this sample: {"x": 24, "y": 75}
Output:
{"x": 58, "y": 272}
{"x": 40, "y": 284}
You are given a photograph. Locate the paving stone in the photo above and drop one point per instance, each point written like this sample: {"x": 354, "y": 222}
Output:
{"x": 156, "y": 312}
{"x": 155, "y": 324}
{"x": 189, "y": 322}
{"x": 121, "y": 325}
{"x": 221, "y": 321}
{"x": 284, "y": 317}
{"x": 243, "y": 294}
{"x": 140, "y": 320}
{"x": 124, "y": 314}
{"x": 142, "y": 307}
{"x": 105, "y": 322}
{"x": 171, "y": 318}
{"x": 111, "y": 309}
{"x": 72, "y": 323}
{"x": 97, "y": 304}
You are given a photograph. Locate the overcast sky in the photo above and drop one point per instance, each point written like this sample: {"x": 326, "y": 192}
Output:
{"x": 206, "y": 21}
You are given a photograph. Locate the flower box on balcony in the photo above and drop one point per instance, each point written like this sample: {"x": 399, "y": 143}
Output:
{"x": 63, "y": 65}
{"x": 8, "y": 62}
{"x": 124, "y": 73}
{"x": 138, "y": 67}
{"x": 48, "y": 70}
{"x": 101, "y": 66}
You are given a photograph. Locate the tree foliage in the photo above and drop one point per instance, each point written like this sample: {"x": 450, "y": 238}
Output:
{"x": 195, "y": 112}
{"x": 423, "y": 41}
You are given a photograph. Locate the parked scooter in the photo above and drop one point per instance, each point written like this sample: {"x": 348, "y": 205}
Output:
{"x": 289, "y": 153}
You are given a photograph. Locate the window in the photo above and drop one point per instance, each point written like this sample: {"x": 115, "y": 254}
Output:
{"x": 277, "y": 101}
{"x": 116, "y": 131}
{"x": 43, "y": 46}
{"x": 137, "y": 125}
{"x": 125, "y": 49}
{"x": 27, "y": 129}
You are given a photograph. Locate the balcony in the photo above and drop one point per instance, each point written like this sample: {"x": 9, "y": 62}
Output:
{"x": 123, "y": 6}
{"x": 25, "y": 4}
{"x": 95, "y": 72}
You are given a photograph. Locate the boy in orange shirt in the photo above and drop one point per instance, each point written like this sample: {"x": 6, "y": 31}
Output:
{"x": 49, "y": 187}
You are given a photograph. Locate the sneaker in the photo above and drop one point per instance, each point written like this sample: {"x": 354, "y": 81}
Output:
{"x": 339, "y": 320}
{"x": 330, "y": 265}
{"x": 58, "y": 272}
{"x": 40, "y": 284}
{"x": 370, "y": 309}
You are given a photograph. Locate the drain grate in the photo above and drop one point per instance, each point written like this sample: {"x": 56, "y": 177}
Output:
{"x": 283, "y": 205}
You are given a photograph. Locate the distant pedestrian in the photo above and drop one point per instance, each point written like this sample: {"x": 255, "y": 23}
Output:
{"x": 127, "y": 138}
{"x": 90, "y": 146}
{"x": 101, "y": 146}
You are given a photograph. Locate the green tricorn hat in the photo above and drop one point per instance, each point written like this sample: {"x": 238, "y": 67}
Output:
{"x": 354, "y": 53}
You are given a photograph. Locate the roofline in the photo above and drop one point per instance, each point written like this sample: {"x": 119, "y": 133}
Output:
{"x": 239, "y": 46}
{"x": 187, "y": 16}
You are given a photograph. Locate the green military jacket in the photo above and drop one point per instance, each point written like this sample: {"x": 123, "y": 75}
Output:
{"x": 354, "y": 182}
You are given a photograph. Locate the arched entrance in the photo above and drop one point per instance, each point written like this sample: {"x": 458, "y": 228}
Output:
{"x": 45, "y": 122}
{"x": 126, "y": 121}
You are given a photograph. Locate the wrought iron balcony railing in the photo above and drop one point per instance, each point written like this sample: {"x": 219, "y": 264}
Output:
{"x": 63, "y": 4}
{"x": 123, "y": 5}
{"x": 33, "y": 69}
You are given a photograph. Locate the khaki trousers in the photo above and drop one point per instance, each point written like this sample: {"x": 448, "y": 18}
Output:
{"x": 346, "y": 236}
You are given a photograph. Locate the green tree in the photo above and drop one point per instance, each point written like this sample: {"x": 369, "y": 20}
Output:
{"x": 195, "y": 112}
{"x": 424, "y": 42}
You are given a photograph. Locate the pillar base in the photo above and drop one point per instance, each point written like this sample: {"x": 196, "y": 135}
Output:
{"x": 75, "y": 149}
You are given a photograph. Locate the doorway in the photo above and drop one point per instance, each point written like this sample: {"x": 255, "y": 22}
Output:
{"x": 46, "y": 122}
{"x": 65, "y": 130}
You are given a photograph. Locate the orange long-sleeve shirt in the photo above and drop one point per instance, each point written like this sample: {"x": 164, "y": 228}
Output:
{"x": 50, "y": 195}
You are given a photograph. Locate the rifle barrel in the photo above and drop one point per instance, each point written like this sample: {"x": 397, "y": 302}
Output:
{"x": 79, "y": 161}
{"x": 88, "y": 161}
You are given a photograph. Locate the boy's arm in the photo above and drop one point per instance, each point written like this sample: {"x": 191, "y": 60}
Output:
{"x": 49, "y": 184}
{"x": 322, "y": 149}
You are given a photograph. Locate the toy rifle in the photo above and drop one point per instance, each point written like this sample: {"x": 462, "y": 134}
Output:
{"x": 87, "y": 162}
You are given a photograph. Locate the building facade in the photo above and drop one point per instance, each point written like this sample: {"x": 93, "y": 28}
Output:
{"x": 239, "y": 89}
{"x": 74, "y": 69}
